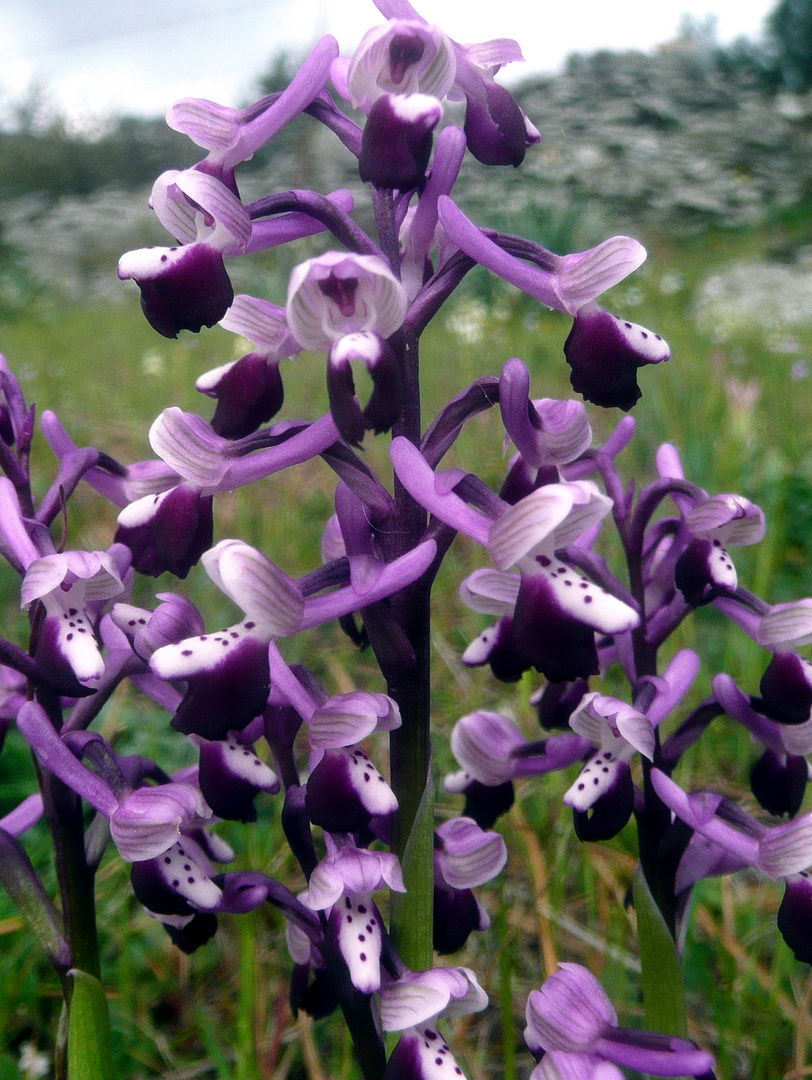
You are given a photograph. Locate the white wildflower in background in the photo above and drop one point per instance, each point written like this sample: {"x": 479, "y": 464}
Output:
{"x": 34, "y": 1064}
{"x": 468, "y": 320}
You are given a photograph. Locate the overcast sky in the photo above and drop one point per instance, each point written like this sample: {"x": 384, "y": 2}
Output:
{"x": 97, "y": 56}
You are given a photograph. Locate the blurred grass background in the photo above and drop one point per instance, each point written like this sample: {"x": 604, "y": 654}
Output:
{"x": 731, "y": 298}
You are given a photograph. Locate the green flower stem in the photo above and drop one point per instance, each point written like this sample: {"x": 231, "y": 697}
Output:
{"x": 90, "y": 1027}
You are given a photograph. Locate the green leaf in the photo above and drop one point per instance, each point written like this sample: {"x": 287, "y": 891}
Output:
{"x": 89, "y": 1051}
{"x": 663, "y": 988}
{"x": 413, "y": 910}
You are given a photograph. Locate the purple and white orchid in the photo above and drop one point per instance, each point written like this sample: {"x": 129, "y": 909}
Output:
{"x": 412, "y": 1006}
{"x": 555, "y": 609}
{"x": 187, "y": 287}
{"x": 603, "y": 351}
{"x": 343, "y": 884}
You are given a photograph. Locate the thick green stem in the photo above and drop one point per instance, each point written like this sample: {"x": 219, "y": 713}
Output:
{"x": 410, "y": 765}
{"x": 63, "y": 811}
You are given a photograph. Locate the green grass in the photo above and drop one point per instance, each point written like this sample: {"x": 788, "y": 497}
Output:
{"x": 222, "y": 1013}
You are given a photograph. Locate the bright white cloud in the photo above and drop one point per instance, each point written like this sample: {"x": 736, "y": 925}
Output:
{"x": 98, "y": 55}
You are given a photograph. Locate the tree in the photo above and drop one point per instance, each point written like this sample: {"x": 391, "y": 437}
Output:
{"x": 789, "y": 28}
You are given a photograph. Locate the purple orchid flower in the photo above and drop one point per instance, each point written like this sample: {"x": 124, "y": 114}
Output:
{"x": 779, "y": 778}
{"x": 187, "y": 287}
{"x": 168, "y": 531}
{"x": 156, "y": 828}
{"x": 144, "y": 822}
{"x": 703, "y": 569}
{"x": 228, "y": 673}
{"x": 603, "y": 351}
{"x": 412, "y": 1006}
{"x": 496, "y": 129}
{"x": 464, "y": 856}
{"x": 69, "y": 586}
{"x": 555, "y": 610}
{"x": 342, "y": 293}
{"x": 249, "y": 391}
{"x": 735, "y": 840}
{"x": 547, "y": 433}
{"x": 602, "y": 796}
{"x": 786, "y": 685}
{"x": 343, "y": 884}
{"x": 344, "y": 791}
{"x": 572, "y": 1022}
{"x": 194, "y": 452}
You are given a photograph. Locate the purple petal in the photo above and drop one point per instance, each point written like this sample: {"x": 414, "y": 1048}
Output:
{"x": 570, "y": 1012}
{"x": 345, "y": 791}
{"x": 182, "y": 288}
{"x": 664, "y": 1055}
{"x": 605, "y": 352}
{"x": 397, "y": 140}
{"x": 148, "y": 821}
{"x": 466, "y": 855}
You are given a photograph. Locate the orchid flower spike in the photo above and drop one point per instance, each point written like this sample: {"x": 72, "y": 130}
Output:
{"x": 572, "y": 1022}
{"x": 186, "y": 287}
{"x": 603, "y": 351}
